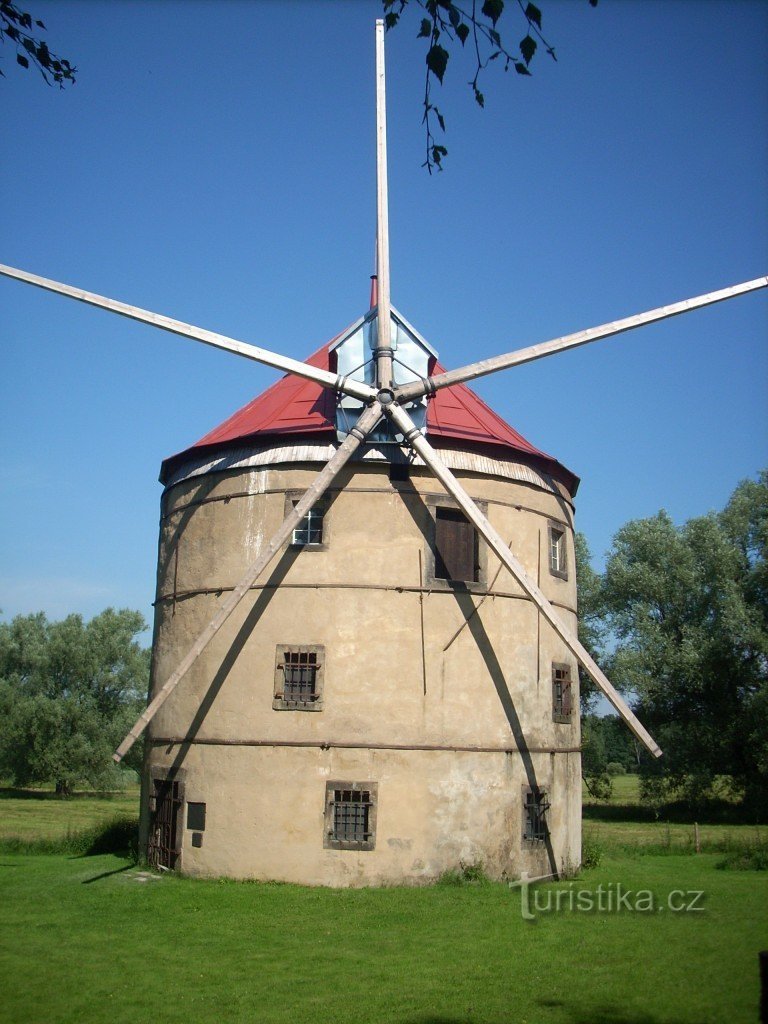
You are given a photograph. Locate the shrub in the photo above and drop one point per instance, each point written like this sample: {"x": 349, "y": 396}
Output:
{"x": 750, "y": 857}
{"x": 465, "y": 874}
{"x": 591, "y": 853}
{"x": 614, "y": 768}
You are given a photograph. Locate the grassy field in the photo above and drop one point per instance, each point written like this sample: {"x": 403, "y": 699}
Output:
{"x": 97, "y": 939}
{"x": 40, "y": 814}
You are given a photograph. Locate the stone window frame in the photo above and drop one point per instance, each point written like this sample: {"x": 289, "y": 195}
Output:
{"x": 557, "y": 550}
{"x": 329, "y": 840}
{"x": 279, "y": 702}
{"x": 437, "y": 583}
{"x": 291, "y": 498}
{"x": 562, "y": 709}
{"x": 535, "y": 829}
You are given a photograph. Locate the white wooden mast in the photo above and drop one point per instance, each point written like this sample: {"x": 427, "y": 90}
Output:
{"x": 384, "y": 376}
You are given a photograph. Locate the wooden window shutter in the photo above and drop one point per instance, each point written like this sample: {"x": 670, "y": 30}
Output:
{"x": 455, "y": 546}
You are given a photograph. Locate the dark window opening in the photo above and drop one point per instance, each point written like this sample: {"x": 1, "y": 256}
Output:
{"x": 197, "y": 840}
{"x": 456, "y": 547}
{"x": 562, "y": 694}
{"x": 535, "y": 807}
{"x": 196, "y": 817}
{"x": 350, "y": 815}
{"x": 299, "y": 678}
{"x": 399, "y": 472}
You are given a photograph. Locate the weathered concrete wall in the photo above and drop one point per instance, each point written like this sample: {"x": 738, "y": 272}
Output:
{"x": 392, "y": 692}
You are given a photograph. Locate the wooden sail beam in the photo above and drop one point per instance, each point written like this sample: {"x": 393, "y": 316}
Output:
{"x": 322, "y": 482}
{"x": 165, "y": 323}
{"x": 494, "y": 540}
{"x": 384, "y": 355}
{"x": 409, "y": 392}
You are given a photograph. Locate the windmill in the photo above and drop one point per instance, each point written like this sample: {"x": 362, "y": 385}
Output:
{"x": 382, "y": 382}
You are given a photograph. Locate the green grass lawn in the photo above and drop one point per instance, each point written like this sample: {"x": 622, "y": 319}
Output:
{"x": 96, "y": 939}
{"x": 92, "y": 942}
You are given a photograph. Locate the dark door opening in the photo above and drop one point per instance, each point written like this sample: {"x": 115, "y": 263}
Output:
{"x": 165, "y": 803}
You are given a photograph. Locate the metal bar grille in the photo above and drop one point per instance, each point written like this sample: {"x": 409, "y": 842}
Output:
{"x": 351, "y": 812}
{"x": 535, "y": 821}
{"x": 300, "y": 676}
{"x": 164, "y": 805}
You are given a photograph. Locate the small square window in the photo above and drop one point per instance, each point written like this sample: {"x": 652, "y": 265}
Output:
{"x": 535, "y": 807}
{"x": 309, "y": 532}
{"x": 558, "y": 564}
{"x": 350, "y": 815}
{"x": 562, "y": 694}
{"x": 299, "y": 674}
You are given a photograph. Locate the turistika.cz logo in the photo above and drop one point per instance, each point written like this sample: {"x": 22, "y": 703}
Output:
{"x": 606, "y": 898}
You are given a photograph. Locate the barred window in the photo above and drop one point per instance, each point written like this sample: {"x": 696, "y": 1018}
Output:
{"x": 350, "y": 815}
{"x": 299, "y": 674}
{"x": 562, "y": 694}
{"x": 558, "y": 564}
{"x": 309, "y": 532}
{"x": 535, "y": 807}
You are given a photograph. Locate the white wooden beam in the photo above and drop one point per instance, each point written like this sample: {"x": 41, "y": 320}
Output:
{"x": 548, "y": 348}
{"x": 165, "y": 323}
{"x": 494, "y": 540}
{"x": 384, "y": 355}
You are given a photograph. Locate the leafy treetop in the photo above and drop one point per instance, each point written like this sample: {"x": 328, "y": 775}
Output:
{"x": 18, "y": 27}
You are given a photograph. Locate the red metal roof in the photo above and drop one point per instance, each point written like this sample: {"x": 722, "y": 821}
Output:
{"x": 456, "y": 417}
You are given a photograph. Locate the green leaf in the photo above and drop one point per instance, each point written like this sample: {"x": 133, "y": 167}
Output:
{"x": 479, "y": 98}
{"x": 495, "y": 37}
{"x": 426, "y": 28}
{"x": 533, "y": 14}
{"x": 437, "y": 61}
{"x": 440, "y": 119}
{"x": 21, "y": 59}
{"x": 528, "y": 48}
{"x": 453, "y": 16}
{"x": 493, "y": 9}
{"x": 462, "y": 32}
{"x": 40, "y": 24}
{"x": 391, "y": 19}
{"x": 521, "y": 69}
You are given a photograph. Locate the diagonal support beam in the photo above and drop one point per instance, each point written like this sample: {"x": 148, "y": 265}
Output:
{"x": 348, "y": 447}
{"x": 165, "y": 323}
{"x": 547, "y": 348}
{"x": 494, "y": 540}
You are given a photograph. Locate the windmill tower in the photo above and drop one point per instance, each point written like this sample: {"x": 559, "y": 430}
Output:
{"x": 389, "y": 688}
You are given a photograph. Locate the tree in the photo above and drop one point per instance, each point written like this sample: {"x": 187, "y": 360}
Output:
{"x": 17, "y": 26}
{"x": 687, "y": 606}
{"x": 69, "y": 691}
{"x": 445, "y": 23}
{"x": 591, "y": 617}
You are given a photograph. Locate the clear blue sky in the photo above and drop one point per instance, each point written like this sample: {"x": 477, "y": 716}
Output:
{"x": 215, "y": 162}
